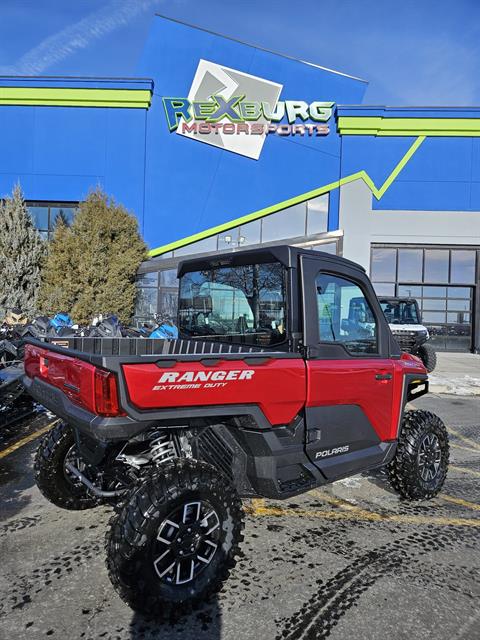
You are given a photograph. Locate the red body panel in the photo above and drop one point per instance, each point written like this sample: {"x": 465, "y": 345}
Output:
{"x": 353, "y": 382}
{"x": 278, "y": 387}
{"x": 281, "y": 387}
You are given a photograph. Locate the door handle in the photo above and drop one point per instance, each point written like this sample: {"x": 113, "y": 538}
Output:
{"x": 383, "y": 376}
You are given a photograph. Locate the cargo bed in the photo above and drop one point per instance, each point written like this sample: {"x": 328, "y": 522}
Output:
{"x": 148, "y": 347}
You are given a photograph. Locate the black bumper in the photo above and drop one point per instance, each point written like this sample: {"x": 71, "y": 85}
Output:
{"x": 104, "y": 429}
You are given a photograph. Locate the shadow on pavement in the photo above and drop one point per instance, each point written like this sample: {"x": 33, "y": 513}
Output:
{"x": 201, "y": 623}
{"x": 16, "y": 478}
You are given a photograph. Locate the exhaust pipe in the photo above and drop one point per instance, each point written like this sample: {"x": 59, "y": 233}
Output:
{"x": 91, "y": 487}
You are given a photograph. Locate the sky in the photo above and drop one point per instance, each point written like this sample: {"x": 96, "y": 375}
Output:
{"x": 412, "y": 52}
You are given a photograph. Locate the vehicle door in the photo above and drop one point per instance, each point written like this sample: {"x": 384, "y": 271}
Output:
{"x": 350, "y": 375}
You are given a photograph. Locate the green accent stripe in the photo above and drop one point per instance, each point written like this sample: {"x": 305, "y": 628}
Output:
{"x": 363, "y": 175}
{"x": 378, "y": 126}
{"x": 360, "y": 175}
{"x": 67, "y": 97}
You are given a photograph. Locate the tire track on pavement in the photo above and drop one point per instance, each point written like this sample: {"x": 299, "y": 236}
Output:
{"x": 317, "y": 617}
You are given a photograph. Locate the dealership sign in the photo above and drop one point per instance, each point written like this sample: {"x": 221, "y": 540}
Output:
{"x": 237, "y": 111}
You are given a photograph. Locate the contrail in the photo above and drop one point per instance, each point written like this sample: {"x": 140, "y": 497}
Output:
{"x": 54, "y": 49}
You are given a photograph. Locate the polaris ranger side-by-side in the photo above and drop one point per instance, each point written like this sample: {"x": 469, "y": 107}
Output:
{"x": 403, "y": 316}
{"x": 277, "y": 384}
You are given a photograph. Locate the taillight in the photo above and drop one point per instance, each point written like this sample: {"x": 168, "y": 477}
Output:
{"x": 106, "y": 396}
{"x": 31, "y": 361}
{"x": 84, "y": 384}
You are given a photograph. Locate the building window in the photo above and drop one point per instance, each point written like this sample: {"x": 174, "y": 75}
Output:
{"x": 436, "y": 265}
{"x": 326, "y": 247}
{"x": 384, "y": 265}
{"x": 168, "y": 293}
{"x": 147, "y": 295}
{"x": 46, "y": 214}
{"x": 157, "y": 292}
{"x": 463, "y": 267}
{"x": 385, "y": 288}
{"x": 317, "y": 215}
{"x": 289, "y": 223}
{"x": 440, "y": 278}
{"x": 300, "y": 225}
{"x": 410, "y": 265}
{"x": 304, "y": 219}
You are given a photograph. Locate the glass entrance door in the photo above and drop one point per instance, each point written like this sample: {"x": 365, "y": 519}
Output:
{"x": 443, "y": 279}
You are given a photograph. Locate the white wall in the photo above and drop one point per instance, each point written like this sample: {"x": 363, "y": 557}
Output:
{"x": 363, "y": 226}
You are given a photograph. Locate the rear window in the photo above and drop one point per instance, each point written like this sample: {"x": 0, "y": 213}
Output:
{"x": 244, "y": 304}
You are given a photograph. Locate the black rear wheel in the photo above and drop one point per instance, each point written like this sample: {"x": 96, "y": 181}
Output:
{"x": 420, "y": 465}
{"x": 55, "y": 482}
{"x": 174, "y": 542}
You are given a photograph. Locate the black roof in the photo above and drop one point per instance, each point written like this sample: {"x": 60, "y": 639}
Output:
{"x": 282, "y": 253}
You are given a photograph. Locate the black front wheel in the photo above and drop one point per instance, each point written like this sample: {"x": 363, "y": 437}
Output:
{"x": 427, "y": 355}
{"x": 420, "y": 465}
{"x": 174, "y": 542}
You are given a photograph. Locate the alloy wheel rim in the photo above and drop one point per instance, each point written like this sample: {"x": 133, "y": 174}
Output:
{"x": 429, "y": 457}
{"x": 186, "y": 542}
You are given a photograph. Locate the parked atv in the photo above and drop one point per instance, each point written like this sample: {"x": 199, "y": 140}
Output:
{"x": 14, "y": 318}
{"x": 403, "y": 316}
{"x": 11, "y": 363}
{"x": 43, "y": 327}
{"x": 11, "y": 391}
{"x": 109, "y": 326}
{"x": 297, "y": 387}
{"x": 163, "y": 329}
{"x": 14, "y": 402}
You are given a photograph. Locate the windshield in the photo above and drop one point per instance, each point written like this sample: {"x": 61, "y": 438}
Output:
{"x": 243, "y": 304}
{"x": 400, "y": 311}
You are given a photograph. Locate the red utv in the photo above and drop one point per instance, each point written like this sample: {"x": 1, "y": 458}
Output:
{"x": 285, "y": 377}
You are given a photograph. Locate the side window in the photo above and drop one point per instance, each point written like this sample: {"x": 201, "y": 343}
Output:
{"x": 345, "y": 315}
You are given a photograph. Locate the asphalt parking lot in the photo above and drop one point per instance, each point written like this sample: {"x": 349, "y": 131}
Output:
{"x": 348, "y": 561}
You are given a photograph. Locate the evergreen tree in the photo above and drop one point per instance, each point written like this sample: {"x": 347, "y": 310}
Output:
{"x": 61, "y": 217}
{"x": 21, "y": 254}
{"x": 57, "y": 292}
{"x": 92, "y": 265}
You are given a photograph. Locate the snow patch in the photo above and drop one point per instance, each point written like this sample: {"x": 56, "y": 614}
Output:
{"x": 465, "y": 385}
{"x": 351, "y": 483}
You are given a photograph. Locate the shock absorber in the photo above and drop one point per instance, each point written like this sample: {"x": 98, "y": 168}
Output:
{"x": 163, "y": 449}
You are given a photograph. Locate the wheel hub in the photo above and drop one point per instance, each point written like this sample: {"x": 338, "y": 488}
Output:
{"x": 73, "y": 457}
{"x": 186, "y": 543}
{"x": 429, "y": 457}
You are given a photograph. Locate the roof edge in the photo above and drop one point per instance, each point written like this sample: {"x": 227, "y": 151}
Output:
{"x": 256, "y": 46}
{"x": 76, "y": 82}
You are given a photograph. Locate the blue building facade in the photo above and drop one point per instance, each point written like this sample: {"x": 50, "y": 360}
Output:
{"x": 219, "y": 145}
